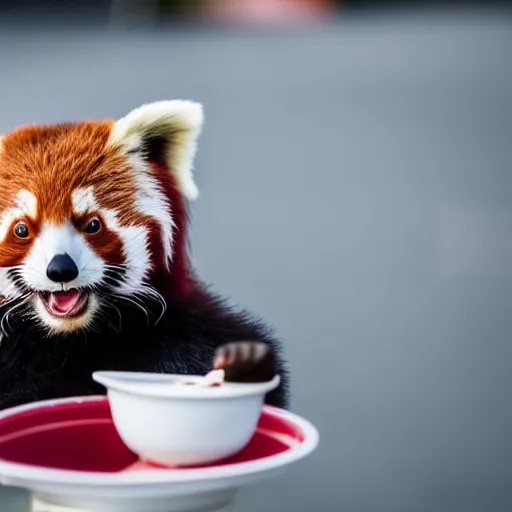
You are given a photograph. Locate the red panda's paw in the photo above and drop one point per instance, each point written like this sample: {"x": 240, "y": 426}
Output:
{"x": 246, "y": 361}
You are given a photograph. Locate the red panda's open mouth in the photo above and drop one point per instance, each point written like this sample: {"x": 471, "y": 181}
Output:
{"x": 66, "y": 304}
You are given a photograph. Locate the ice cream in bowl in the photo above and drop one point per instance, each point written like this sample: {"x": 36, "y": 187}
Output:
{"x": 183, "y": 420}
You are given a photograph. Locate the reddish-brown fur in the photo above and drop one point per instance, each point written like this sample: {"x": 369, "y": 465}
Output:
{"x": 53, "y": 161}
{"x": 13, "y": 250}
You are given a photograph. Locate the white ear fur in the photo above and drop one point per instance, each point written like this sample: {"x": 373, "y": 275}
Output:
{"x": 177, "y": 122}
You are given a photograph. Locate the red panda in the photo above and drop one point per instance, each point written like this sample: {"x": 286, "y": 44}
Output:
{"x": 94, "y": 268}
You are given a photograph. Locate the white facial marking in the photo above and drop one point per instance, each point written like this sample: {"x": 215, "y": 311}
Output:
{"x": 135, "y": 243}
{"x": 83, "y": 201}
{"x": 151, "y": 201}
{"x": 59, "y": 239}
{"x": 134, "y": 238}
{"x": 71, "y": 324}
{"x": 25, "y": 205}
{"x": 7, "y": 286}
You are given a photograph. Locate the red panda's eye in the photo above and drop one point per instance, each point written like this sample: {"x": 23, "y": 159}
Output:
{"x": 93, "y": 226}
{"x": 21, "y": 230}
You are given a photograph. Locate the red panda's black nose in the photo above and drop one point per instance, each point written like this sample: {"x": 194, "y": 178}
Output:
{"x": 62, "y": 269}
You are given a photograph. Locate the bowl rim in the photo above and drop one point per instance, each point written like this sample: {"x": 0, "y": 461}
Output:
{"x": 156, "y": 386}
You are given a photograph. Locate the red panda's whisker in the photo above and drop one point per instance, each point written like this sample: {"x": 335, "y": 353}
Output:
{"x": 19, "y": 283}
{"x": 148, "y": 292}
{"x": 5, "y": 316}
{"x": 133, "y": 301}
{"x": 19, "y": 268}
{"x": 119, "y": 315}
{"x": 108, "y": 322}
{"x": 16, "y": 299}
{"x": 109, "y": 305}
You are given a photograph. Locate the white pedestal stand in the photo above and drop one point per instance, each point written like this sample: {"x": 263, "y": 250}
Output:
{"x": 208, "y": 502}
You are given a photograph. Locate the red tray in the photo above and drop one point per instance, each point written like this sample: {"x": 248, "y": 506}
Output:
{"x": 80, "y": 436}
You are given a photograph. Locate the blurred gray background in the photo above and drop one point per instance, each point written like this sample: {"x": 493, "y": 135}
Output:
{"x": 356, "y": 191}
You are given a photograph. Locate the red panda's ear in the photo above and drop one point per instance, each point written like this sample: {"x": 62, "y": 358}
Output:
{"x": 165, "y": 132}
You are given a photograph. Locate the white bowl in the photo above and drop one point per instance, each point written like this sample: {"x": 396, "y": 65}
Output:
{"x": 176, "y": 425}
